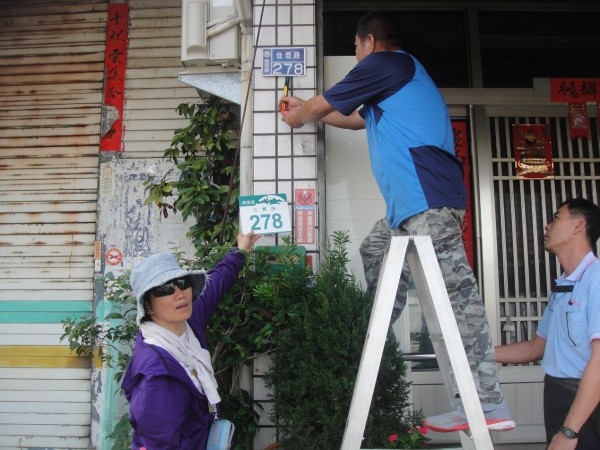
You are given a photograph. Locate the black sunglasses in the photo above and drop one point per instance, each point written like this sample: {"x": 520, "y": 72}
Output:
{"x": 168, "y": 288}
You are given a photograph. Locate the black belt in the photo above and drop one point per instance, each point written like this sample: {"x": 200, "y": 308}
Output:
{"x": 571, "y": 384}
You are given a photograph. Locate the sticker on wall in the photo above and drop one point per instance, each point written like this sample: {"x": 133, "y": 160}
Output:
{"x": 264, "y": 214}
{"x": 304, "y": 209}
{"x": 107, "y": 180}
{"x": 113, "y": 256}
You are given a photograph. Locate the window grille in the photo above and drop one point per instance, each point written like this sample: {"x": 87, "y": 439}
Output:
{"x": 523, "y": 207}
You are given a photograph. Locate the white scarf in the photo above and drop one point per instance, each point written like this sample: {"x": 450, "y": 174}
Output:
{"x": 187, "y": 350}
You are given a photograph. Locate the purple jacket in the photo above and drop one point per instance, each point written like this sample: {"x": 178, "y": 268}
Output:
{"x": 166, "y": 410}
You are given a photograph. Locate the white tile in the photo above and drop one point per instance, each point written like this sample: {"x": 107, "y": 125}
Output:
{"x": 264, "y": 169}
{"x": 305, "y": 144}
{"x": 264, "y": 145}
{"x": 303, "y": 14}
{"x": 262, "y": 82}
{"x": 304, "y": 35}
{"x": 264, "y": 123}
{"x": 266, "y": 15}
{"x": 265, "y": 101}
{"x": 284, "y": 144}
{"x": 285, "y": 187}
{"x": 311, "y": 58}
{"x": 264, "y": 188}
{"x": 264, "y": 416}
{"x": 284, "y": 36}
{"x": 283, "y": 15}
{"x": 265, "y": 36}
{"x": 262, "y": 364}
{"x": 284, "y": 168}
{"x": 305, "y": 167}
{"x": 261, "y": 392}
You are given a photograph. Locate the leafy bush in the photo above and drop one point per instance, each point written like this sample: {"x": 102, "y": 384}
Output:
{"x": 247, "y": 325}
{"x": 315, "y": 367}
{"x": 207, "y": 188}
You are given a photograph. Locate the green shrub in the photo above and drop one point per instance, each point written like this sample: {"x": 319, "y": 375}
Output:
{"x": 316, "y": 364}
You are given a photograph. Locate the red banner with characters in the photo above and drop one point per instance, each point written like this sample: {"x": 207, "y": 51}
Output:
{"x": 461, "y": 147}
{"x": 575, "y": 90}
{"x": 115, "y": 64}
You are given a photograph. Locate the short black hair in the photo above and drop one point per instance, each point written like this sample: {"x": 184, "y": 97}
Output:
{"x": 590, "y": 212}
{"x": 384, "y": 26}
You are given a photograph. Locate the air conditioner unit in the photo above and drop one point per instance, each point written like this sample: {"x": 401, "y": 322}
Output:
{"x": 210, "y": 33}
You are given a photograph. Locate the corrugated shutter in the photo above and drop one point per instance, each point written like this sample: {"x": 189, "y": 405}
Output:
{"x": 153, "y": 90}
{"x": 51, "y": 76}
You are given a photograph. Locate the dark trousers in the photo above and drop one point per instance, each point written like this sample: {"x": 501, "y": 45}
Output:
{"x": 558, "y": 397}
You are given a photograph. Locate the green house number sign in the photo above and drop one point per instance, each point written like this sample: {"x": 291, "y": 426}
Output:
{"x": 264, "y": 214}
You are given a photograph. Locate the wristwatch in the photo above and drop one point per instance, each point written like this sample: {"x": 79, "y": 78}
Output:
{"x": 569, "y": 433}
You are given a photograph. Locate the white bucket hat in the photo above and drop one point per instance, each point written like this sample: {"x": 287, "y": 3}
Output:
{"x": 155, "y": 271}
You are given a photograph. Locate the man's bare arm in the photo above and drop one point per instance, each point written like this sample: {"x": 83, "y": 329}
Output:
{"x": 299, "y": 112}
{"x": 586, "y": 400}
{"x": 521, "y": 352}
{"x": 352, "y": 122}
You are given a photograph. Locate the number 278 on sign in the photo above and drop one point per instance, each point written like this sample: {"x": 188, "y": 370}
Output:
{"x": 264, "y": 214}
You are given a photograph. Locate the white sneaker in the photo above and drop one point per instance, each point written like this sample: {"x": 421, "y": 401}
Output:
{"x": 497, "y": 417}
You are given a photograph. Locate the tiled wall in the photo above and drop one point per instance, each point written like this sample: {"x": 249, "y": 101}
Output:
{"x": 284, "y": 159}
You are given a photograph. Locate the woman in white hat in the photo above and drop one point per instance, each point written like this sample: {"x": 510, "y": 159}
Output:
{"x": 170, "y": 382}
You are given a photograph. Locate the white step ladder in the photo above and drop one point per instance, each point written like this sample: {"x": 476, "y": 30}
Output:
{"x": 447, "y": 343}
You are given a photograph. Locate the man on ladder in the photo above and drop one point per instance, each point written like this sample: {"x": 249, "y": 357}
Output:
{"x": 411, "y": 144}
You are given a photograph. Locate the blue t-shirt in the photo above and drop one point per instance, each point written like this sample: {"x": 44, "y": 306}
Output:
{"x": 411, "y": 143}
{"x": 571, "y": 321}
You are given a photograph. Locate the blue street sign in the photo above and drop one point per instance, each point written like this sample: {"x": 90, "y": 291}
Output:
{"x": 284, "y": 61}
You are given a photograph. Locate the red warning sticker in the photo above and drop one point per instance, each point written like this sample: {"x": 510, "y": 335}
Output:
{"x": 113, "y": 256}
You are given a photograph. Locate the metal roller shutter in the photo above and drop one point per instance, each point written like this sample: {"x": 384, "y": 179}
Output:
{"x": 51, "y": 78}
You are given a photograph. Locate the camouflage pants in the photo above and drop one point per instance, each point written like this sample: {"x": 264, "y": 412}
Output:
{"x": 444, "y": 227}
